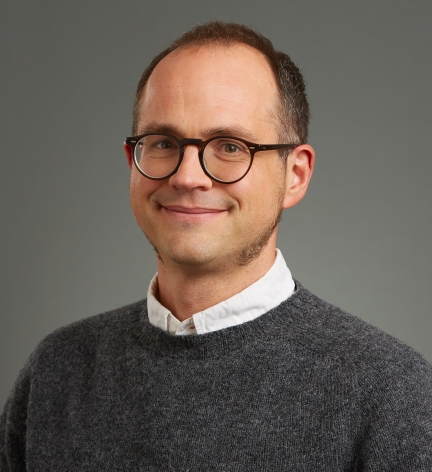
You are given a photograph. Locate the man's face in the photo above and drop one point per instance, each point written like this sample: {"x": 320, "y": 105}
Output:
{"x": 191, "y": 220}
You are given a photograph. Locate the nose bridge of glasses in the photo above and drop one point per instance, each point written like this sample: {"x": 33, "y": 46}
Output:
{"x": 190, "y": 170}
{"x": 191, "y": 142}
{"x": 191, "y": 155}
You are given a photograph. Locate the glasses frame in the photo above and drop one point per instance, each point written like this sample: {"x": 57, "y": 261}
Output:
{"x": 132, "y": 141}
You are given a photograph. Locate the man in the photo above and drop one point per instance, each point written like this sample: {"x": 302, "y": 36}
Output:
{"x": 228, "y": 364}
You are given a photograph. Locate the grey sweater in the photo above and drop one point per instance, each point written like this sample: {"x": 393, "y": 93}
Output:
{"x": 305, "y": 387}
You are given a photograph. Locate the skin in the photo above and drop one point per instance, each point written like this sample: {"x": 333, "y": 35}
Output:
{"x": 203, "y": 230}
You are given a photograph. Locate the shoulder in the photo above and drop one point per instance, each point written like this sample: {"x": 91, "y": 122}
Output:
{"x": 330, "y": 332}
{"x": 389, "y": 379}
{"x": 62, "y": 368}
{"x": 73, "y": 352}
{"x": 80, "y": 341}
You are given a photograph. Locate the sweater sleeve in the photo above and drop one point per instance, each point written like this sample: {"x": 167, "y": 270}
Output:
{"x": 13, "y": 425}
{"x": 399, "y": 434}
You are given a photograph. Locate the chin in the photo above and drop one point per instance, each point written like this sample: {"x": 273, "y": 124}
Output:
{"x": 193, "y": 254}
{"x": 191, "y": 258}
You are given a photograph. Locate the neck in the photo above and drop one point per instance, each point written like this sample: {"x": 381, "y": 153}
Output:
{"x": 185, "y": 292}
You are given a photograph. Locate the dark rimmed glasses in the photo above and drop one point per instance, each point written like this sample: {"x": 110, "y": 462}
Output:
{"x": 224, "y": 159}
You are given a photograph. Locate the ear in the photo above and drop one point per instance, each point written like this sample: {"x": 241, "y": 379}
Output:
{"x": 299, "y": 170}
{"x": 128, "y": 152}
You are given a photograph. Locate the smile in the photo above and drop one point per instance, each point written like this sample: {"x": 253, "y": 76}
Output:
{"x": 192, "y": 210}
{"x": 191, "y": 213}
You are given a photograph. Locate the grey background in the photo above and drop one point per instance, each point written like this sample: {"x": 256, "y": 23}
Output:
{"x": 69, "y": 245}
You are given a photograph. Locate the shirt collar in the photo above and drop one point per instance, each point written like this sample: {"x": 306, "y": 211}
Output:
{"x": 266, "y": 293}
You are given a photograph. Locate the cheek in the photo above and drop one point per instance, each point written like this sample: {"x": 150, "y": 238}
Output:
{"x": 257, "y": 190}
{"x": 140, "y": 191}
{"x": 261, "y": 198}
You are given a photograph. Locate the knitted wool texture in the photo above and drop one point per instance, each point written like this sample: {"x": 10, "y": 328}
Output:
{"x": 305, "y": 387}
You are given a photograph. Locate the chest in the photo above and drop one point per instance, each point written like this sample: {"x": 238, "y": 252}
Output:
{"x": 235, "y": 413}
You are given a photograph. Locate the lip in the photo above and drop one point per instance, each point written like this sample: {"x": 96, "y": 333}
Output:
{"x": 182, "y": 214}
{"x": 192, "y": 210}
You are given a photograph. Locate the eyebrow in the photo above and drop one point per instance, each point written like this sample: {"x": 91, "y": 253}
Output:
{"x": 233, "y": 131}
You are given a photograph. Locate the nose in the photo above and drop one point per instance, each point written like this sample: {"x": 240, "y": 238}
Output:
{"x": 190, "y": 174}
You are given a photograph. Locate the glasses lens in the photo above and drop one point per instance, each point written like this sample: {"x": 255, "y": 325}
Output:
{"x": 227, "y": 159}
{"x": 157, "y": 155}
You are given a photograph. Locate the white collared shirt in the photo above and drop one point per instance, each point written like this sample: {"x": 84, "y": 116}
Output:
{"x": 266, "y": 293}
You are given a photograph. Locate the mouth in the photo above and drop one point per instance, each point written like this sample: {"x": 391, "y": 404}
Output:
{"x": 192, "y": 210}
{"x": 186, "y": 214}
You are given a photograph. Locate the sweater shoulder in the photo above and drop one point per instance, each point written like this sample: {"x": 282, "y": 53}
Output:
{"x": 330, "y": 331}
{"x": 81, "y": 339}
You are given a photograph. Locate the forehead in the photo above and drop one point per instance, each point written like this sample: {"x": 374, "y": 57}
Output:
{"x": 210, "y": 87}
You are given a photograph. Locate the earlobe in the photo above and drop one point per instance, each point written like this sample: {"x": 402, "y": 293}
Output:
{"x": 300, "y": 167}
{"x": 128, "y": 152}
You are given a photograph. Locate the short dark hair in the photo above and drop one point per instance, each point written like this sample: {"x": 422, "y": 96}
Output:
{"x": 293, "y": 110}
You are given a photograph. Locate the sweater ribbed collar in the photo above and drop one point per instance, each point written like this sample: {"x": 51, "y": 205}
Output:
{"x": 224, "y": 341}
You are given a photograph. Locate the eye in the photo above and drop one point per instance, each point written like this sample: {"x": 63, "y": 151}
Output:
{"x": 164, "y": 144}
{"x": 230, "y": 148}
